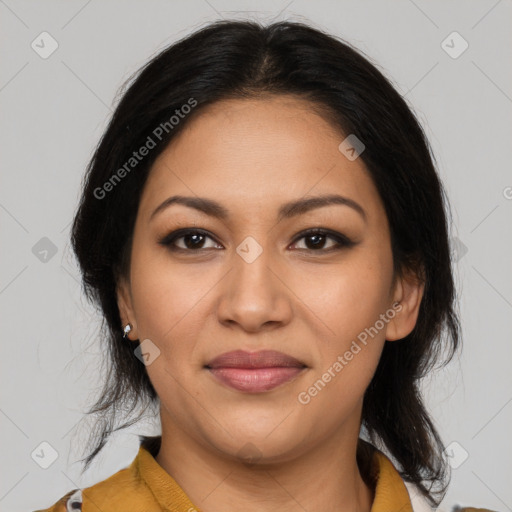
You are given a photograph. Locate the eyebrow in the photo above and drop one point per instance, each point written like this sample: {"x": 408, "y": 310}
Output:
{"x": 286, "y": 211}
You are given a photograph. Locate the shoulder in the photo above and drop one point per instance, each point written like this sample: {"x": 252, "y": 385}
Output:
{"x": 394, "y": 483}
{"x": 118, "y": 492}
{"x": 420, "y": 504}
{"x": 72, "y": 501}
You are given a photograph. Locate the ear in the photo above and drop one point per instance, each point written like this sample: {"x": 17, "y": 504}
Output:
{"x": 408, "y": 292}
{"x": 124, "y": 303}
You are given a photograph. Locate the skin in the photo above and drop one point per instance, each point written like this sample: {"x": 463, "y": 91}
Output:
{"x": 302, "y": 299}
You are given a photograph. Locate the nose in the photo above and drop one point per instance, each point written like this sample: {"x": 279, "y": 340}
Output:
{"x": 254, "y": 294}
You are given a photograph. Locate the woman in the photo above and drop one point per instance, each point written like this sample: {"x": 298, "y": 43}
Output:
{"x": 265, "y": 233}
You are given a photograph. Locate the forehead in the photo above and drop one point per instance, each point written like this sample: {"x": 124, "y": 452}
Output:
{"x": 257, "y": 152}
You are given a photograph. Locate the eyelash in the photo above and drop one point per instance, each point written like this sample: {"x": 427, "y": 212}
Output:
{"x": 341, "y": 240}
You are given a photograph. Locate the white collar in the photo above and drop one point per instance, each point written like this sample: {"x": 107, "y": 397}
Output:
{"x": 418, "y": 501}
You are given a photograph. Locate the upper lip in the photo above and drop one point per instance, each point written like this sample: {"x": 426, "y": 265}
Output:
{"x": 261, "y": 359}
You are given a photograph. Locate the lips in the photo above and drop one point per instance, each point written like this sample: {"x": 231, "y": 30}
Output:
{"x": 254, "y": 372}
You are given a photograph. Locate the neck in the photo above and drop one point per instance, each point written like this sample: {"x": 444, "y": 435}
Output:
{"x": 214, "y": 482}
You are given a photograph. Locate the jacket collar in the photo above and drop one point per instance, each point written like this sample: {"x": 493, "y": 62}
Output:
{"x": 392, "y": 494}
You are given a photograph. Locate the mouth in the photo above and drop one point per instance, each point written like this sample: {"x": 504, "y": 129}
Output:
{"x": 255, "y": 372}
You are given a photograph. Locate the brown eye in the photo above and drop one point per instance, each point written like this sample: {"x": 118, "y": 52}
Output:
{"x": 187, "y": 240}
{"x": 317, "y": 239}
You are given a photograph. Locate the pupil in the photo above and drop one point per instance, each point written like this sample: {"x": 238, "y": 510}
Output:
{"x": 318, "y": 238}
{"x": 194, "y": 237}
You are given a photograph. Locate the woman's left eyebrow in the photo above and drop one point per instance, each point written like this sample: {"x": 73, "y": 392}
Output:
{"x": 290, "y": 209}
{"x": 305, "y": 205}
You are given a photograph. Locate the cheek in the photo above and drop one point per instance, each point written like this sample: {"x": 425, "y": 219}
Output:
{"x": 167, "y": 300}
{"x": 349, "y": 297}
{"x": 170, "y": 307}
{"x": 348, "y": 303}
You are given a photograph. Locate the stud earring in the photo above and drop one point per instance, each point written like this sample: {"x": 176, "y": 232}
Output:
{"x": 126, "y": 330}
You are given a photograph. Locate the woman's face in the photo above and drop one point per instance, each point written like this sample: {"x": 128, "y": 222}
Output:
{"x": 253, "y": 176}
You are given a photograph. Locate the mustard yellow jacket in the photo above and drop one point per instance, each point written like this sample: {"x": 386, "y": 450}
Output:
{"x": 145, "y": 486}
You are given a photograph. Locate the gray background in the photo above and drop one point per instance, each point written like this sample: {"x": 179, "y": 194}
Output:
{"x": 54, "y": 111}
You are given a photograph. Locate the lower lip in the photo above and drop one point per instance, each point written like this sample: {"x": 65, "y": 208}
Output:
{"x": 255, "y": 380}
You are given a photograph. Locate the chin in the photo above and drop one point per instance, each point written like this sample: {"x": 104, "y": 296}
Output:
{"x": 259, "y": 441}
{"x": 260, "y": 451}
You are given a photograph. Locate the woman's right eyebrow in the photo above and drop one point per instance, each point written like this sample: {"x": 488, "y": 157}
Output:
{"x": 203, "y": 204}
{"x": 290, "y": 209}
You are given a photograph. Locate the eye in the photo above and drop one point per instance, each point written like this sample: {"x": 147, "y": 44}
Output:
{"x": 316, "y": 240}
{"x": 191, "y": 240}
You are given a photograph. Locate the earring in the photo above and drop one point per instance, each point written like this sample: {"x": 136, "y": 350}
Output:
{"x": 126, "y": 330}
